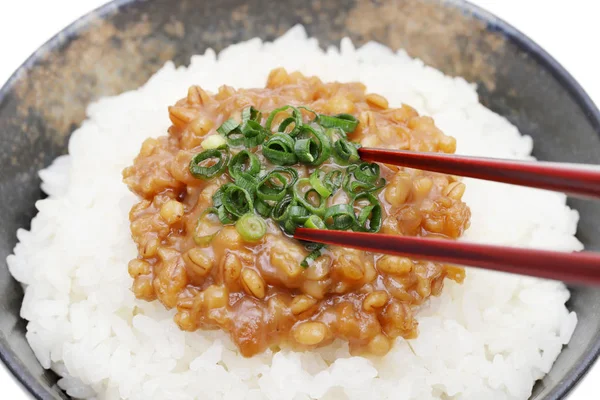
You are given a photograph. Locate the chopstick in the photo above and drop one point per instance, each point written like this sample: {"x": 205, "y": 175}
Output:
{"x": 582, "y": 268}
{"x": 573, "y": 180}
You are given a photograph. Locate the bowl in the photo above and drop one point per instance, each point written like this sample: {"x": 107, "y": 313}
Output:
{"x": 120, "y": 45}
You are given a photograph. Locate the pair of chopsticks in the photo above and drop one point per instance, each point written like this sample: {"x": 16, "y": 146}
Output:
{"x": 583, "y": 267}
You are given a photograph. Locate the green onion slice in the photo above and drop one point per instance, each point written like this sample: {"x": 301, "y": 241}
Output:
{"x": 207, "y": 227}
{"x": 369, "y": 209}
{"x": 314, "y": 222}
{"x": 333, "y": 180}
{"x": 251, "y": 227}
{"x": 335, "y": 134}
{"x": 225, "y": 216}
{"x": 298, "y": 214}
{"x": 313, "y": 146}
{"x": 244, "y": 162}
{"x": 308, "y": 197}
{"x": 274, "y": 185}
{"x": 346, "y": 151}
{"x": 209, "y": 163}
{"x": 251, "y": 114}
{"x": 354, "y": 187}
{"x": 253, "y": 134}
{"x": 345, "y": 122}
{"x": 279, "y": 149}
{"x": 282, "y": 209}
{"x": 309, "y": 259}
{"x": 319, "y": 184}
{"x": 237, "y": 201}
{"x": 295, "y": 118}
{"x": 263, "y": 208}
{"x": 340, "y": 217}
{"x": 228, "y": 126}
{"x": 367, "y": 172}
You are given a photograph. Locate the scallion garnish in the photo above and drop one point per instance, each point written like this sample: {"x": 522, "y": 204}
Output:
{"x": 263, "y": 208}
{"x": 346, "y": 151}
{"x": 277, "y": 193}
{"x": 228, "y": 126}
{"x": 279, "y": 149}
{"x": 339, "y": 217}
{"x": 310, "y": 198}
{"x": 209, "y": 163}
{"x": 367, "y": 172}
{"x": 314, "y": 222}
{"x": 281, "y": 210}
{"x": 319, "y": 184}
{"x": 298, "y": 214}
{"x": 333, "y": 180}
{"x": 274, "y": 185}
{"x": 369, "y": 216}
{"x": 345, "y": 122}
{"x": 237, "y": 201}
{"x": 311, "y": 257}
{"x": 290, "y": 125}
{"x": 244, "y": 162}
{"x": 312, "y": 146}
{"x": 251, "y": 227}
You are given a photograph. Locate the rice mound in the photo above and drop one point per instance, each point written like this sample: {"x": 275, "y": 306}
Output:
{"x": 489, "y": 338}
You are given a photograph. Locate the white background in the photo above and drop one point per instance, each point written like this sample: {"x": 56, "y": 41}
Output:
{"x": 565, "y": 29}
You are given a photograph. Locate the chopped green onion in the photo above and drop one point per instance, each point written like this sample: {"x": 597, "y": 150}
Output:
{"x": 346, "y": 151}
{"x": 339, "y": 217}
{"x": 274, "y": 185}
{"x": 370, "y": 216}
{"x": 251, "y": 227}
{"x": 367, "y": 172}
{"x": 247, "y": 182}
{"x": 225, "y": 216}
{"x": 237, "y": 201}
{"x": 217, "y": 198}
{"x": 313, "y": 255}
{"x": 213, "y": 142}
{"x": 346, "y": 122}
{"x": 282, "y": 209}
{"x": 279, "y": 149}
{"x": 310, "y": 199}
{"x": 218, "y": 157}
{"x": 312, "y": 147}
{"x": 333, "y": 180}
{"x": 319, "y": 185}
{"x": 263, "y": 208}
{"x": 251, "y": 114}
{"x": 228, "y": 126}
{"x": 354, "y": 187}
{"x": 253, "y": 134}
{"x": 314, "y": 222}
{"x": 298, "y": 214}
{"x": 207, "y": 227}
{"x": 295, "y": 119}
{"x": 335, "y": 134}
{"x": 244, "y": 162}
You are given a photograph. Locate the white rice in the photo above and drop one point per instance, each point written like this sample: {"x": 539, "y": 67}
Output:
{"x": 489, "y": 338}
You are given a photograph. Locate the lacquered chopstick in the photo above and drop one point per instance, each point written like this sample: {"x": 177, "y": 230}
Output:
{"x": 573, "y": 180}
{"x": 581, "y": 267}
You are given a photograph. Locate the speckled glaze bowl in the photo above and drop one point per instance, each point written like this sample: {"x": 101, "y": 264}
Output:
{"x": 119, "y": 46}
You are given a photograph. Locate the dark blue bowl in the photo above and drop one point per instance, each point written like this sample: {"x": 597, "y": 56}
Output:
{"x": 119, "y": 46}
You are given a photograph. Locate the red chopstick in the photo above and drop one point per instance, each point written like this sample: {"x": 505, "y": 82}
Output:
{"x": 581, "y": 267}
{"x": 573, "y": 180}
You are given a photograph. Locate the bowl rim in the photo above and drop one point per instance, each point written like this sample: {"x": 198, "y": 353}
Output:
{"x": 493, "y": 23}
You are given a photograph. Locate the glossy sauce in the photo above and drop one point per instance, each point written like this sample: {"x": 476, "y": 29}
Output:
{"x": 258, "y": 292}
